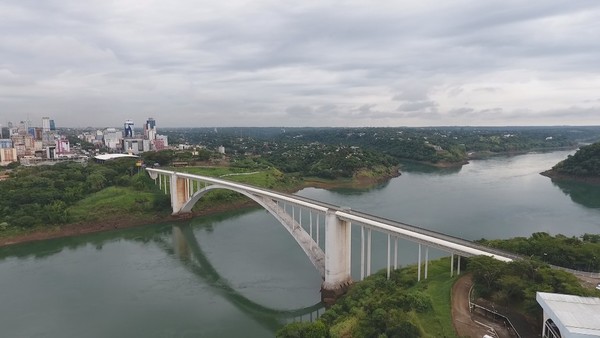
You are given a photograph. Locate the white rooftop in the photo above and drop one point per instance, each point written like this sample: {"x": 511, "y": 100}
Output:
{"x": 580, "y": 316}
{"x": 106, "y": 157}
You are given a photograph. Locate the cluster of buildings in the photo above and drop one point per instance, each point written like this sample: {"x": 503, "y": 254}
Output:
{"x": 27, "y": 144}
{"x": 128, "y": 140}
{"x": 31, "y": 145}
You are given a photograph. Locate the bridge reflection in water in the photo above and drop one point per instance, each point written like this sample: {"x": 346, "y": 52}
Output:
{"x": 186, "y": 247}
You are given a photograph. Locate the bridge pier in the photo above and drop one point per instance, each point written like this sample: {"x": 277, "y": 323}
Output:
{"x": 180, "y": 193}
{"x": 337, "y": 258}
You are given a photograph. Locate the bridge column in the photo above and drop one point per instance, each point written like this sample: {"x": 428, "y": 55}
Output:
{"x": 179, "y": 193}
{"x": 337, "y": 258}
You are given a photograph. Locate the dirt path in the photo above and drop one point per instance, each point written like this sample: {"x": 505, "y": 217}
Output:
{"x": 461, "y": 316}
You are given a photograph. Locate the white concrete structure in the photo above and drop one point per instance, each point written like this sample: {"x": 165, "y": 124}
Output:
{"x": 334, "y": 261}
{"x": 112, "y": 138}
{"x": 569, "y": 316}
{"x": 45, "y": 124}
{"x": 107, "y": 157}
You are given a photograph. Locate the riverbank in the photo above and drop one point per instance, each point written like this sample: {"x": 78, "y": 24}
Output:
{"x": 582, "y": 179}
{"x": 114, "y": 222}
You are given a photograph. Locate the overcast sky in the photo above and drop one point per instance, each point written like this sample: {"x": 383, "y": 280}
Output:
{"x": 300, "y": 63}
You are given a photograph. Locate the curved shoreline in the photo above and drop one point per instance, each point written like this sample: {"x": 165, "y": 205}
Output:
{"x": 563, "y": 177}
{"x": 114, "y": 223}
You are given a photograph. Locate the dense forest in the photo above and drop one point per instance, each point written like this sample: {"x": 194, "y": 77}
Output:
{"x": 515, "y": 284}
{"x": 584, "y": 163}
{"x": 437, "y": 145}
{"x": 381, "y": 307}
{"x": 578, "y": 253}
{"x": 307, "y": 160}
{"x": 35, "y": 196}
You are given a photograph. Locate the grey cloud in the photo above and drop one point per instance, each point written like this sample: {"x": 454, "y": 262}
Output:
{"x": 309, "y": 63}
{"x": 417, "y": 106}
{"x": 487, "y": 89}
{"x": 461, "y": 111}
{"x": 300, "y": 110}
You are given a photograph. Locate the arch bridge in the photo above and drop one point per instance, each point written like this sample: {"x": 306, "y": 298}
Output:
{"x": 305, "y": 219}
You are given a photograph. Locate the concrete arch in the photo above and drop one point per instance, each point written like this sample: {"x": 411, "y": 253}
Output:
{"x": 308, "y": 245}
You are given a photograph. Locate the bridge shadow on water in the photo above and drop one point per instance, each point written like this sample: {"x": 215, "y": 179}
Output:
{"x": 186, "y": 247}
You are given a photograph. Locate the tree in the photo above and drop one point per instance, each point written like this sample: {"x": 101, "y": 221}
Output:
{"x": 96, "y": 181}
{"x": 304, "y": 330}
{"x": 486, "y": 271}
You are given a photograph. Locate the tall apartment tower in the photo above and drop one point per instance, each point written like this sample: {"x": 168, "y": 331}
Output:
{"x": 128, "y": 128}
{"x": 45, "y": 124}
{"x": 150, "y": 129}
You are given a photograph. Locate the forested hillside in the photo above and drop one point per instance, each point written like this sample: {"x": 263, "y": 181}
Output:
{"x": 35, "y": 196}
{"x": 584, "y": 163}
{"x": 579, "y": 253}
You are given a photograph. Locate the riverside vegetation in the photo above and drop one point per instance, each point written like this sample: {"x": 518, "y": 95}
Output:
{"x": 382, "y": 307}
{"x": 401, "y": 307}
{"x": 583, "y": 165}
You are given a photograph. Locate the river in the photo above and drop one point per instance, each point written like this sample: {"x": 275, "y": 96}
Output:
{"x": 240, "y": 274}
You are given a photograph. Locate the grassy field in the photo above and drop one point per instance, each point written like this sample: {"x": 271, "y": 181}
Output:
{"x": 114, "y": 201}
{"x": 439, "y": 288}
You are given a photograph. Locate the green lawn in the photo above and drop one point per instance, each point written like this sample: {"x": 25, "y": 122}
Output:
{"x": 115, "y": 201}
{"x": 439, "y": 288}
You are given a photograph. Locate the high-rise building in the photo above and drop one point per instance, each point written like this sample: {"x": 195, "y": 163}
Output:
{"x": 63, "y": 146}
{"x": 6, "y": 143}
{"x": 112, "y": 138}
{"x": 128, "y": 128}
{"x": 150, "y": 129}
{"x": 45, "y": 124}
{"x": 8, "y": 155}
{"x": 151, "y": 123}
{"x": 52, "y": 125}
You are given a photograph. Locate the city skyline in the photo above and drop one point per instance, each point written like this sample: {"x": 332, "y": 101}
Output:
{"x": 310, "y": 64}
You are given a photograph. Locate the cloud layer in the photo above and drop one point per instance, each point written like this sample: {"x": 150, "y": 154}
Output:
{"x": 312, "y": 63}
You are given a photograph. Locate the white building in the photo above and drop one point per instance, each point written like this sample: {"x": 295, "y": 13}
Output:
{"x": 45, "y": 124}
{"x": 112, "y": 138}
{"x": 567, "y": 316}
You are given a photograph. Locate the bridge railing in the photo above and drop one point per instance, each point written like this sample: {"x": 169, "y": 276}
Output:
{"x": 445, "y": 242}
